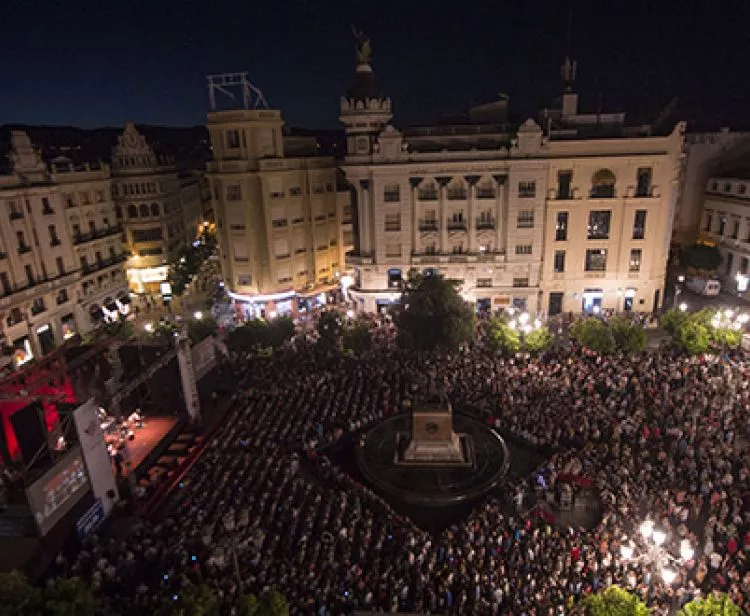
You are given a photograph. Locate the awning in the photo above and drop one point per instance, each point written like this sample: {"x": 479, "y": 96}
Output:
{"x": 111, "y": 306}
{"x": 97, "y": 314}
{"x": 124, "y": 300}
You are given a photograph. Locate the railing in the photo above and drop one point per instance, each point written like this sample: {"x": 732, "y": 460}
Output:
{"x": 454, "y": 195}
{"x": 427, "y": 195}
{"x": 16, "y": 215}
{"x": 483, "y": 225}
{"x": 456, "y": 225}
{"x": 428, "y": 225}
{"x": 103, "y": 264}
{"x": 96, "y": 234}
{"x": 485, "y": 193}
{"x": 23, "y": 249}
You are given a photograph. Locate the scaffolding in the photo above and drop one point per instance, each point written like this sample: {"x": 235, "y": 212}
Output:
{"x": 228, "y": 83}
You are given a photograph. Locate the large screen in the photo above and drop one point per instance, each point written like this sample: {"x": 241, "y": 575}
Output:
{"x": 58, "y": 490}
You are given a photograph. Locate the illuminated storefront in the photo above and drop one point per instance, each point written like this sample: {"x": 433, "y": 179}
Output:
{"x": 147, "y": 279}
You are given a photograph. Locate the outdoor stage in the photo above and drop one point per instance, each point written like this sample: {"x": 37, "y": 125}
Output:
{"x": 146, "y": 440}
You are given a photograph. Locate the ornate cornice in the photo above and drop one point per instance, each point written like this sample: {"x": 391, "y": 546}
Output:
{"x": 415, "y": 182}
{"x": 471, "y": 180}
{"x": 443, "y": 180}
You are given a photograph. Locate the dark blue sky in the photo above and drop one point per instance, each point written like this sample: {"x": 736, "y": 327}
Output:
{"x": 103, "y": 63}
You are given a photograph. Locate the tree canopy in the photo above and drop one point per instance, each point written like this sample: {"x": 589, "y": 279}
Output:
{"x": 593, "y": 334}
{"x": 702, "y": 257}
{"x": 330, "y": 328}
{"x": 258, "y": 334}
{"x": 716, "y": 604}
{"x": 200, "y": 329}
{"x": 432, "y": 315}
{"x": 357, "y": 338}
{"x": 186, "y": 261}
{"x": 614, "y": 601}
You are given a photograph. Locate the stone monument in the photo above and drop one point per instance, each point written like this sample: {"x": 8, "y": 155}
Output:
{"x": 432, "y": 441}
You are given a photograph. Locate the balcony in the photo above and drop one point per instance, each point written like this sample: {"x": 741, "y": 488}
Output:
{"x": 48, "y": 211}
{"x": 87, "y": 269}
{"x": 38, "y": 308}
{"x": 23, "y": 249}
{"x": 392, "y": 227}
{"x": 55, "y": 241}
{"x": 456, "y": 225}
{"x": 458, "y": 194}
{"x": 485, "y": 225}
{"x": 16, "y": 215}
{"x": 485, "y": 193}
{"x": 96, "y": 234}
{"x": 359, "y": 258}
{"x": 428, "y": 195}
{"x": 428, "y": 225}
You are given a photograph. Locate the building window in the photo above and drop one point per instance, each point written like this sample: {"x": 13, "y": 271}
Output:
{"x": 295, "y": 191}
{"x": 526, "y": 190}
{"x": 596, "y": 260}
{"x": 428, "y": 191}
{"x": 393, "y": 250}
{"x": 392, "y": 193}
{"x": 735, "y": 229}
{"x": 561, "y": 227}
{"x": 722, "y": 225}
{"x": 525, "y": 219}
{"x": 485, "y": 220}
{"x": 485, "y": 190}
{"x": 559, "y": 261}
{"x": 484, "y": 282}
{"x": 744, "y": 262}
{"x": 564, "y": 181}
{"x": 727, "y": 187}
{"x": 457, "y": 191}
{"x": 599, "y": 224}
{"x": 132, "y": 211}
{"x": 29, "y": 275}
{"x": 279, "y": 223}
{"x": 457, "y": 222}
{"x": 244, "y": 280}
{"x": 62, "y": 296}
{"x": 53, "y": 239}
{"x": 148, "y": 235}
{"x": 603, "y": 184}
{"x": 236, "y": 227}
{"x": 635, "y": 260}
{"x": 523, "y": 249}
{"x": 643, "y": 182}
{"x": 46, "y": 207}
{"x": 329, "y": 186}
{"x": 484, "y": 248}
{"x": 22, "y": 247}
{"x": 233, "y": 139}
{"x": 317, "y": 189}
{"x": 394, "y": 278}
{"x": 730, "y": 262}
{"x": 60, "y": 266}
{"x": 520, "y": 282}
{"x": 429, "y": 222}
{"x": 639, "y": 225}
{"x": 5, "y": 282}
{"x": 457, "y": 249}
{"x": 741, "y": 189}
{"x": 393, "y": 222}
{"x": 709, "y": 223}
{"x": 234, "y": 192}
{"x": 37, "y": 306}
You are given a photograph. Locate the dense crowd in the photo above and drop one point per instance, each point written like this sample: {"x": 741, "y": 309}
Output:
{"x": 660, "y": 436}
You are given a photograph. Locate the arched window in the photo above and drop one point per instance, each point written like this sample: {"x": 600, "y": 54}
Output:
{"x": 118, "y": 212}
{"x": 132, "y": 211}
{"x": 603, "y": 184}
{"x": 154, "y": 209}
{"x": 143, "y": 210}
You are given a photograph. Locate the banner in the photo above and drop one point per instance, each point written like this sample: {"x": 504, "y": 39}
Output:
{"x": 187, "y": 375}
{"x": 204, "y": 357}
{"x": 95, "y": 454}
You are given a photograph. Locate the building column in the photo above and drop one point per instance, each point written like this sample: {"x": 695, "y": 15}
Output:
{"x": 442, "y": 183}
{"x": 472, "y": 180}
{"x": 414, "y": 184}
{"x": 501, "y": 213}
{"x": 365, "y": 239}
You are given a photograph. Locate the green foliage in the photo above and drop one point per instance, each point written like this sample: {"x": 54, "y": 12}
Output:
{"x": 119, "y": 330}
{"x": 68, "y": 597}
{"x": 701, "y": 257}
{"x": 247, "y": 338}
{"x": 432, "y": 315}
{"x": 330, "y": 327}
{"x": 537, "y": 340}
{"x": 185, "y": 263}
{"x": 200, "y": 329}
{"x": 714, "y": 605}
{"x": 629, "y": 337}
{"x": 358, "y": 338}
{"x": 198, "y": 600}
{"x": 17, "y": 596}
{"x": 693, "y": 337}
{"x": 672, "y": 319}
{"x": 279, "y": 331}
{"x": 502, "y": 338}
{"x": 272, "y": 604}
{"x": 725, "y": 336}
{"x": 593, "y": 334}
{"x": 614, "y": 601}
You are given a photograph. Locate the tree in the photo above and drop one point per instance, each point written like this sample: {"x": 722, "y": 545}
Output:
{"x": 628, "y": 337}
{"x": 68, "y": 597}
{"x": 614, "y": 601}
{"x": 358, "y": 338}
{"x": 198, "y": 600}
{"x": 17, "y": 596}
{"x": 432, "y": 315}
{"x": 330, "y": 325}
{"x": 692, "y": 337}
{"x": 502, "y": 338}
{"x": 672, "y": 319}
{"x": 702, "y": 257}
{"x": 187, "y": 260}
{"x": 279, "y": 331}
{"x": 716, "y": 604}
{"x": 200, "y": 329}
{"x": 593, "y": 334}
{"x": 247, "y": 338}
{"x": 537, "y": 340}
{"x": 272, "y": 604}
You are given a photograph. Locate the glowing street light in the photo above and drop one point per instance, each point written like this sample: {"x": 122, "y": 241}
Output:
{"x": 197, "y": 315}
{"x": 149, "y": 327}
{"x": 683, "y": 307}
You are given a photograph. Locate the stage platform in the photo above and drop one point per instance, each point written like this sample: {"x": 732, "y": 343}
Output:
{"x": 146, "y": 443}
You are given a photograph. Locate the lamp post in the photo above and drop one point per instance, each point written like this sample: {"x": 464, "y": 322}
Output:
{"x": 678, "y": 289}
{"x": 655, "y": 555}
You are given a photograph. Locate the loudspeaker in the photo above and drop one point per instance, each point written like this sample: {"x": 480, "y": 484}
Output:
{"x": 28, "y": 424}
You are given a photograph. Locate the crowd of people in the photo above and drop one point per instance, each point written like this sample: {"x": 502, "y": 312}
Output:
{"x": 660, "y": 436}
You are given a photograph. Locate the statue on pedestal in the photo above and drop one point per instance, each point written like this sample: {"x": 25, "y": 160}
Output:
{"x": 363, "y": 48}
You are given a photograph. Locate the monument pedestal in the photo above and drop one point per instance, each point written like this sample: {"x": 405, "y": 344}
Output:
{"x": 432, "y": 441}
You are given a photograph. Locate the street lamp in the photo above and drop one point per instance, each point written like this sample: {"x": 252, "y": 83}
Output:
{"x": 197, "y": 315}
{"x": 678, "y": 288}
{"x": 683, "y": 307}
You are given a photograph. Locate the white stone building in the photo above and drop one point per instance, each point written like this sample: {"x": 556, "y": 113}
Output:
{"x": 726, "y": 221}
{"x": 574, "y": 212}
{"x": 278, "y": 210}
{"x": 146, "y": 190}
{"x": 59, "y": 275}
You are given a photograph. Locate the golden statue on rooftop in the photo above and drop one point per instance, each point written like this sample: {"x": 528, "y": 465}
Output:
{"x": 363, "y": 49}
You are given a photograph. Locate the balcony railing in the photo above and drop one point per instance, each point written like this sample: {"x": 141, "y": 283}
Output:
{"x": 38, "y": 309}
{"x": 96, "y": 234}
{"x": 23, "y": 249}
{"x": 454, "y": 195}
{"x": 483, "y": 225}
{"x": 55, "y": 241}
{"x": 16, "y": 215}
{"x": 485, "y": 193}
{"x": 428, "y": 225}
{"x": 456, "y": 225}
{"x": 48, "y": 211}
{"x": 428, "y": 195}
{"x": 103, "y": 264}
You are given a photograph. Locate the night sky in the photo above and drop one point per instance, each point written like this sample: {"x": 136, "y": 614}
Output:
{"x": 103, "y": 63}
